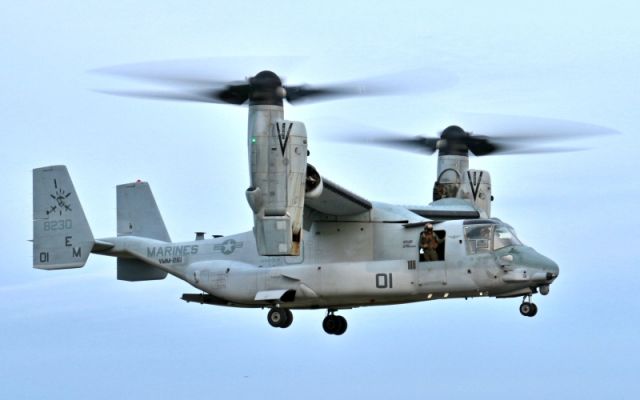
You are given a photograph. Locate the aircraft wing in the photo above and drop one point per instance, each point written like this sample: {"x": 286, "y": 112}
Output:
{"x": 336, "y": 200}
{"x": 447, "y": 209}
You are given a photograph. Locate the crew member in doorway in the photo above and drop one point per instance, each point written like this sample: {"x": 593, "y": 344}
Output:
{"x": 429, "y": 243}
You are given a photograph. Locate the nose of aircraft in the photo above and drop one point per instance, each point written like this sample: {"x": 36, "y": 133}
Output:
{"x": 546, "y": 269}
{"x": 548, "y": 265}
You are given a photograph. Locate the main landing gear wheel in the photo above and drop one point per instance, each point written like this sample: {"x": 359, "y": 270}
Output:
{"x": 528, "y": 309}
{"x": 280, "y": 317}
{"x": 334, "y": 324}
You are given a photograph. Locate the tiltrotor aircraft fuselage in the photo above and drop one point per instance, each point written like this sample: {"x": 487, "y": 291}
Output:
{"x": 314, "y": 244}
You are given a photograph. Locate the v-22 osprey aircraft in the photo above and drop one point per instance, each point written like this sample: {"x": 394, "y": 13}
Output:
{"x": 314, "y": 244}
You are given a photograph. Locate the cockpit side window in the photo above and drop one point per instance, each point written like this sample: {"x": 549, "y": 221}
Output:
{"x": 478, "y": 238}
{"x": 504, "y": 236}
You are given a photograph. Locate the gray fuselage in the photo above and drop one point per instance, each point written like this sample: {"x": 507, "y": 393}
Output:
{"x": 361, "y": 262}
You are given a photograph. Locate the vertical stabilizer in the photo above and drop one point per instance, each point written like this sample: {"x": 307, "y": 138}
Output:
{"x": 61, "y": 235}
{"x": 138, "y": 215}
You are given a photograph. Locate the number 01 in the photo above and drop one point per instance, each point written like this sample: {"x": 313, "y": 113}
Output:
{"x": 384, "y": 281}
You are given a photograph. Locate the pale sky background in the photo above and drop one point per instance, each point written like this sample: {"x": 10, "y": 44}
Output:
{"x": 83, "y": 334}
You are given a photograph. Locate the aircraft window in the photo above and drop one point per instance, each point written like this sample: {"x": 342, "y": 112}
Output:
{"x": 503, "y": 237}
{"x": 478, "y": 238}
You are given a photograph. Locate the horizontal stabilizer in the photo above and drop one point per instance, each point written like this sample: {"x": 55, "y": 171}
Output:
{"x": 136, "y": 270}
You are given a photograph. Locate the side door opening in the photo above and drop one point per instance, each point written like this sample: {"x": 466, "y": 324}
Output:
{"x": 431, "y": 245}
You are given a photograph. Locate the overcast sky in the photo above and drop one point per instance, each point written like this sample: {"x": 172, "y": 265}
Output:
{"x": 83, "y": 334}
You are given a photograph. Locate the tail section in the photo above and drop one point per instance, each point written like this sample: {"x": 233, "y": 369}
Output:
{"x": 138, "y": 215}
{"x": 61, "y": 235}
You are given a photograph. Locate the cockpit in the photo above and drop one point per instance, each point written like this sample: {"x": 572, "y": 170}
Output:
{"x": 488, "y": 235}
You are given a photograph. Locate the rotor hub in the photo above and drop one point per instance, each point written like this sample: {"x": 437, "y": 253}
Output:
{"x": 453, "y": 142}
{"x": 266, "y": 89}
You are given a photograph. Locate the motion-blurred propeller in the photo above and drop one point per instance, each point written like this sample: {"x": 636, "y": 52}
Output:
{"x": 193, "y": 84}
{"x": 498, "y": 134}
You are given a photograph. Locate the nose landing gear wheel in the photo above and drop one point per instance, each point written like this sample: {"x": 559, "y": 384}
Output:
{"x": 289, "y": 319}
{"x": 334, "y": 324}
{"x": 280, "y": 317}
{"x": 528, "y": 309}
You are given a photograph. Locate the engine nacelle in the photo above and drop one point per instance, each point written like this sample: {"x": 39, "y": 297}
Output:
{"x": 456, "y": 180}
{"x": 278, "y": 167}
{"x": 313, "y": 183}
{"x": 476, "y": 186}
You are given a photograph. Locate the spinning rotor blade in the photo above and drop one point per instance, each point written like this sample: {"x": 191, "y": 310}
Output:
{"x": 485, "y": 145}
{"x": 230, "y": 94}
{"x": 191, "y": 83}
{"x": 305, "y": 93}
{"x": 161, "y": 95}
{"x": 199, "y": 72}
{"x": 196, "y": 80}
{"x": 416, "y": 144}
{"x": 503, "y": 134}
{"x": 500, "y": 135}
{"x": 523, "y": 128}
{"x": 416, "y": 81}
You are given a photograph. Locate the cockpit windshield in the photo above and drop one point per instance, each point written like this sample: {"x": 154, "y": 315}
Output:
{"x": 485, "y": 236}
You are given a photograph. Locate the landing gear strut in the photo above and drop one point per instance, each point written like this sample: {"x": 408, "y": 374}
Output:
{"x": 280, "y": 317}
{"x": 527, "y": 308}
{"x": 334, "y": 324}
